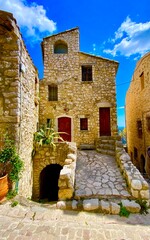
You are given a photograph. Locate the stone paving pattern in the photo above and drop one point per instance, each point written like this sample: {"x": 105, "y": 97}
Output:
{"x": 36, "y": 222}
{"x": 97, "y": 175}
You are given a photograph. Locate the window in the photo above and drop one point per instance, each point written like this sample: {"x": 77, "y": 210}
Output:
{"x": 148, "y": 123}
{"x": 48, "y": 122}
{"x": 83, "y": 124}
{"x": 87, "y": 73}
{"x": 52, "y": 93}
{"x": 142, "y": 80}
{"x": 139, "y": 128}
{"x": 60, "y": 47}
{"x": 135, "y": 153}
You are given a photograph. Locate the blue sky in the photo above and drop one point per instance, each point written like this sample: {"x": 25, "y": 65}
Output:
{"x": 118, "y": 30}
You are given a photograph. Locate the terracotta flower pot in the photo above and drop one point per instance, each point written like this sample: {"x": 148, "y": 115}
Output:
{"x": 3, "y": 186}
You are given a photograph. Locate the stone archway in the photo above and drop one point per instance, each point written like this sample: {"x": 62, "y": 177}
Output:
{"x": 49, "y": 177}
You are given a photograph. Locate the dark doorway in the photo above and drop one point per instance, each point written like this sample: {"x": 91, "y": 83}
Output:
{"x": 49, "y": 182}
{"x": 142, "y": 165}
{"x": 104, "y": 120}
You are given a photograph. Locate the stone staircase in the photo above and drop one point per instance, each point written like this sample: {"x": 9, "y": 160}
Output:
{"x": 106, "y": 145}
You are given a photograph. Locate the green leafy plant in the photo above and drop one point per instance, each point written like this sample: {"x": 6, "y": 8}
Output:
{"x": 144, "y": 206}
{"x": 47, "y": 136}
{"x": 10, "y": 162}
{"x": 11, "y": 194}
{"x": 123, "y": 211}
{"x": 14, "y": 204}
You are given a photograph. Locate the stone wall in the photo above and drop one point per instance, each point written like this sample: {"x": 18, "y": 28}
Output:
{"x": 137, "y": 185}
{"x": 138, "y": 110}
{"x": 77, "y": 99}
{"x": 64, "y": 154}
{"x": 19, "y": 86}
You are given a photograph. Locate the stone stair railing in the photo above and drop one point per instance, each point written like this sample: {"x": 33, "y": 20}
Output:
{"x": 137, "y": 185}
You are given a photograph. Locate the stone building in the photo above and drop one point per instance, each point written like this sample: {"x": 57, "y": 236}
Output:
{"x": 78, "y": 91}
{"x": 19, "y": 87}
{"x": 138, "y": 114}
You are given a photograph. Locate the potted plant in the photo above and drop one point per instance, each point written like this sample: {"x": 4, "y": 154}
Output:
{"x": 10, "y": 166}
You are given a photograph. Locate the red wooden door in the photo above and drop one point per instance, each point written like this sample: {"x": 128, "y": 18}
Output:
{"x": 104, "y": 116}
{"x": 64, "y": 125}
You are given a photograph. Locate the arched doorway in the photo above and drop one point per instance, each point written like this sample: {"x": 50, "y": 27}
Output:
{"x": 142, "y": 165}
{"x": 49, "y": 182}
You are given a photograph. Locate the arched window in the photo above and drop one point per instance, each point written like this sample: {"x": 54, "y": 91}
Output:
{"x": 60, "y": 47}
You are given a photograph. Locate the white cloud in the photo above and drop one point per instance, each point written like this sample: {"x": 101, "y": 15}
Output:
{"x": 122, "y": 107}
{"x": 31, "y": 18}
{"x": 131, "y": 38}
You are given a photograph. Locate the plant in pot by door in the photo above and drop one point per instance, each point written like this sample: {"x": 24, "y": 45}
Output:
{"x": 10, "y": 167}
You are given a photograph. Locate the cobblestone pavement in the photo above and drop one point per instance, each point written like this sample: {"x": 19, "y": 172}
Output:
{"x": 39, "y": 223}
{"x": 98, "y": 175}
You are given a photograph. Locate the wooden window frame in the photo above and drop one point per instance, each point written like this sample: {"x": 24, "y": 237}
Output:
{"x": 87, "y": 75}
{"x": 52, "y": 93}
{"x": 84, "y": 124}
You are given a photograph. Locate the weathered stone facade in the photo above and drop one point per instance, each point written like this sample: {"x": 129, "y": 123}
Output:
{"x": 77, "y": 99}
{"x": 138, "y": 115}
{"x": 19, "y": 87}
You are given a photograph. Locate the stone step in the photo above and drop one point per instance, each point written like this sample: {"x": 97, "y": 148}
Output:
{"x": 106, "y": 206}
{"x": 106, "y": 138}
{"x": 87, "y": 147}
{"x": 107, "y": 146}
{"x": 107, "y": 152}
{"x": 108, "y": 142}
{"x": 100, "y": 205}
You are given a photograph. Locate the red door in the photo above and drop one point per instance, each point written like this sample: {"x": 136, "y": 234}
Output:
{"x": 104, "y": 116}
{"x": 64, "y": 125}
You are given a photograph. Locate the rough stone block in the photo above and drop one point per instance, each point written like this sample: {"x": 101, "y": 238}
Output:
{"x": 72, "y": 156}
{"x": 136, "y": 184}
{"x": 131, "y": 206}
{"x": 90, "y": 204}
{"x": 114, "y": 208}
{"x": 145, "y": 185}
{"x": 105, "y": 206}
{"x": 135, "y": 193}
{"x": 64, "y": 194}
{"x": 68, "y": 161}
{"x": 74, "y": 205}
{"x": 125, "y": 157}
{"x": 65, "y": 173}
{"x": 61, "y": 205}
{"x": 144, "y": 194}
